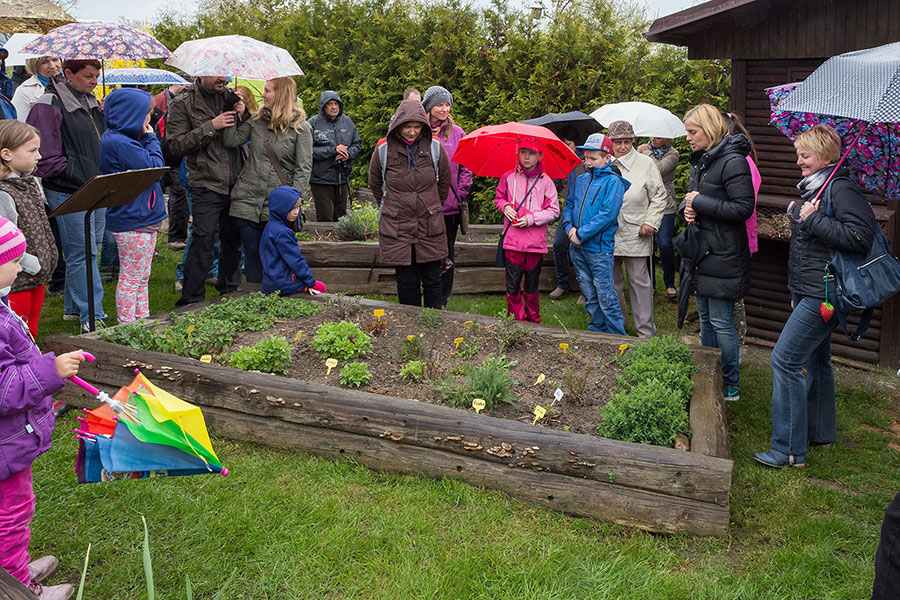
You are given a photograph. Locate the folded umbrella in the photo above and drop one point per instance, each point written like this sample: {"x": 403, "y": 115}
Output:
{"x": 583, "y": 124}
{"x": 235, "y": 55}
{"x": 648, "y": 120}
{"x": 493, "y": 150}
{"x": 692, "y": 247}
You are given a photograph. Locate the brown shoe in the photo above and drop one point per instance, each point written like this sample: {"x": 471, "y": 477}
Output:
{"x": 43, "y": 568}
{"x": 177, "y": 245}
{"x": 580, "y": 300}
{"x": 557, "y": 293}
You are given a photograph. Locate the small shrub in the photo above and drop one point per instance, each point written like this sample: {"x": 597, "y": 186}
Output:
{"x": 431, "y": 319}
{"x": 490, "y": 381}
{"x": 414, "y": 370}
{"x": 268, "y": 356}
{"x": 355, "y": 374}
{"x": 411, "y": 348}
{"x": 359, "y": 224}
{"x": 665, "y": 359}
{"x": 649, "y": 412}
{"x": 509, "y": 331}
{"x": 342, "y": 341}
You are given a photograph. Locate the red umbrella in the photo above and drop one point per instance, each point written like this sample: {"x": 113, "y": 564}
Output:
{"x": 493, "y": 150}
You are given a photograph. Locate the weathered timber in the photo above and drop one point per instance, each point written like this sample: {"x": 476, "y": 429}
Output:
{"x": 12, "y": 589}
{"x": 374, "y": 280}
{"x": 709, "y": 427}
{"x": 364, "y": 254}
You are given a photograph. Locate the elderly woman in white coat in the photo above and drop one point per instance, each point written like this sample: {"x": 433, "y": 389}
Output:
{"x": 42, "y": 69}
{"x": 640, "y": 217}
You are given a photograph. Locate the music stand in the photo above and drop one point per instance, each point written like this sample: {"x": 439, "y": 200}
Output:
{"x": 104, "y": 191}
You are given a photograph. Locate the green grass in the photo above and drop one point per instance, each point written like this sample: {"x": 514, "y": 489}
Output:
{"x": 296, "y": 526}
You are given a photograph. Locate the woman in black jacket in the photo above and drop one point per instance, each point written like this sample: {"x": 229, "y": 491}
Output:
{"x": 720, "y": 201}
{"x": 803, "y": 408}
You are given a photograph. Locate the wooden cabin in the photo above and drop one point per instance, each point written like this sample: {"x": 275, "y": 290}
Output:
{"x": 769, "y": 43}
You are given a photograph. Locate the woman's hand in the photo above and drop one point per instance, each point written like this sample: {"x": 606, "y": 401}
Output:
{"x": 510, "y": 213}
{"x": 239, "y": 108}
{"x": 646, "y": 230}
{"x": 67, "y": 364}
{"x": 808, "y": 208}
{"x": 689, "y": 199}
{"x": 690, "y": 215}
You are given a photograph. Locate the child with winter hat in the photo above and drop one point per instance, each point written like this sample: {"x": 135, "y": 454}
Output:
{"x": 27, "y": 379}
{"x": 527, "y": 198}
{"x": 284, "y": 268}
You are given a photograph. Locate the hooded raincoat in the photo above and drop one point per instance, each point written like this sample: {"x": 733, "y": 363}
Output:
{"x": 284, "y": 268}
{"x": 412, "y": 209}
{"x": 539, "y": 208}
{"x": 327, "y": 134}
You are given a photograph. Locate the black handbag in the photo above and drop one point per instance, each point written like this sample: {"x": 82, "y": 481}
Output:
{"x": 500, "y": 261}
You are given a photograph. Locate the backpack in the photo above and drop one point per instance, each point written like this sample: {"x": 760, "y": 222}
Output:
{"x": 860, "y": 281}
{"x": 382, "y": 157}
{"x": 7, "y": 110}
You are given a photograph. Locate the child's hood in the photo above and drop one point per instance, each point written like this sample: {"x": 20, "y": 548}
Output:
{"x": 125, "y": 110}
{"x": 282, "y": 200}
{"x": 607, "y": 171}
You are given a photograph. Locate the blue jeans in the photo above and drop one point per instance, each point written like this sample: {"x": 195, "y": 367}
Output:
{"x": 595, "y": 276}
{"x": 666, "y": 249}
{"x": 109, "y": 252}
{"x": 71, "y": 232}
{"x": 717, "y": 331}
{"x": 803, "y": 407}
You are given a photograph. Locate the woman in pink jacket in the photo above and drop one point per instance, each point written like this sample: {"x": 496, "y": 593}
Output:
{"x": 527, "y": 199}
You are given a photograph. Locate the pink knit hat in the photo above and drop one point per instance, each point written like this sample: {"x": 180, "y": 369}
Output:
{"x": 12, "y": 242}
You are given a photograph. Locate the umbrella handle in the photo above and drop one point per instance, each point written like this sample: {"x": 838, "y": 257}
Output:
{"x": 81, "y": 382}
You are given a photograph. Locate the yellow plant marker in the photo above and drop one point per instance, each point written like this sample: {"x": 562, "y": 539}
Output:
{"x": 478, "y": 404}
{"x": 378, "y": 312}
{"x": 298, "y": 336}
{"x": 540, "y": 379}
{"x": 467, "y": 324}
{"x": 458, "y": 341}
{"x": 330, "y": 363}
{"x": 623, "y": 348}
{"x": 539, "y": 412}
{"x": 410, "y": 338}
{"x": 206, "y": 358}
{"x": 564, "y": 346}
{"x": 190, "y": 330}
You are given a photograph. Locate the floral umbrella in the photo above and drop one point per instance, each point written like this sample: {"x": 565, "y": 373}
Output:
{"x": 872, "y": 159}
{"x": 235, "y": 55}
{"x": 99, "y": 40}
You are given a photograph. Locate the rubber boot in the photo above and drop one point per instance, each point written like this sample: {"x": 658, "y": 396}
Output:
{"x": 532, "y": 307}
{"x": 514, "y": 307}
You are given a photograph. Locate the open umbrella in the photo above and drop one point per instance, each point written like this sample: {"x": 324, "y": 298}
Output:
{"x": 493, "y": 150}
{"x": 142, "y": 76}
{"x": 583, "y": 125}
{"x": 235, "y": 55}
{"x": 31, "y": 16}
{"x": 648, "y": 120}
{"x": 99, "y": 40}
{"x": 14, "y": 46}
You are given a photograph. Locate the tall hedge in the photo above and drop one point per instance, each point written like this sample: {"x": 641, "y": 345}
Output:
{"x": 500, "y": 64}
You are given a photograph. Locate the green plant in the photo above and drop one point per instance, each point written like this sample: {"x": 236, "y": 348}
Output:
{"x": 431, "y": 319}
{"x": 355, "y": 374}
{"x": 450, "y": 390}
{"x": 359, "y": 224}
{"x": 268, "y": 356}
{"x": 411, "y": 347}
{"x": 663, "y": 358}
{"x": 462, "y": 369}
{"x": 649, "y": 412}
{"x": 468, "y": 348}
{"x": 510, "y": 332}
{"x": 414, "y": 370}
{"x": 576, "y": 381}
{"x": 490, "y": 381}
{"x": 342, "y": 340}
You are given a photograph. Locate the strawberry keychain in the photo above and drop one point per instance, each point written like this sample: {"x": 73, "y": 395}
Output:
{"x": 826, "y": 309}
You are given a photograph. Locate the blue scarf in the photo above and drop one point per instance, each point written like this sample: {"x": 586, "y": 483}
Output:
{"x": 44, "y": 80}
{"x": 658, "y": 153}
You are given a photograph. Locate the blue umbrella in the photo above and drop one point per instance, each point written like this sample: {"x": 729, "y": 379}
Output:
{"x": 142, "y": 76}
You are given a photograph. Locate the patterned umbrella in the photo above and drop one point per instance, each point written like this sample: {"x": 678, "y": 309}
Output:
{"x": 871, "y": 159}
{"x": 235, "y": 55}
{"x": 142, "y": 76}
{"x": 99, "y": 40}
{"x": 31, "y": 16}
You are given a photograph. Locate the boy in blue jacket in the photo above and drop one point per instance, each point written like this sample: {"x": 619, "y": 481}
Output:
{"x": 284, "y": 269}
{"x": 590, "y": 220}
{"x": 129, "y": 143}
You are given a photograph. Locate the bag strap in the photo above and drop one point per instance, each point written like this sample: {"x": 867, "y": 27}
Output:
{"x": 524, "y": 198}
{"x": 267, "y": 144}
{"x": 382, "y": 158}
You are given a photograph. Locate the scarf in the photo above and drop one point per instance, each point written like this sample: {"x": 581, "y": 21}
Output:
{"x": 810, "y": 184}
{"x": 44, "y": 80}
{"x": 437, "y": 127}
{"x": 658, "y": 153}
{"x": 537, "y": 170}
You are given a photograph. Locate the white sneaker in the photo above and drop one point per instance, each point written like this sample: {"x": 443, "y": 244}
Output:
{"x": 57, "y": 592}
{"x": 43, "y": 567}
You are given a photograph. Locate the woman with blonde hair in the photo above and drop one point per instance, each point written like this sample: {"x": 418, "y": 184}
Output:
{"x": 280, "y": 154}
{"x": 42, "y": 69}
{"x": 246, "y": 95}
{"x": 837, "y": 217}
{"x": 719, "y": 202}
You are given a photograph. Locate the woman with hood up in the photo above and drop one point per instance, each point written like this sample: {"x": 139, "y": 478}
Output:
{"x": 129, "y": 143}
{"x": 411, "y": 186}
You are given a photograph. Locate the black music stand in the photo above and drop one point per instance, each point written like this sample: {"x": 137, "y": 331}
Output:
{"x": 104, "y": 191}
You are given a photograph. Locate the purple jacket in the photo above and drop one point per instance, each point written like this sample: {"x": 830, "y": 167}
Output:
{"x": 27, "y": 378}
{"x": 460, "y": 177}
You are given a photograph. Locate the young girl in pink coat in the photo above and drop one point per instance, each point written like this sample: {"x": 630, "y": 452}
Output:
{"x": 527, "y": 199}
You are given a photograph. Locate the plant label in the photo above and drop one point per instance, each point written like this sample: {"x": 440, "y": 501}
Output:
{"x": 410, "y": 338}
{"x": 557, "y": 396}
{"x": 467, "y": 324}
{"x": 540, "y": 379}
{"x": 190, "y": 330}
{"x": 564, "y": 346}
{"x": 478, "y": 404}
{"x": 330, "y": 363}
{"x": 539, "y": 412}
{"x": 458, "y": 341}
{"x": 206, "y": 358}
{"x": 378, "y": 312}
{"x": 298, "y": 336}
{"x": 622, "y": 349}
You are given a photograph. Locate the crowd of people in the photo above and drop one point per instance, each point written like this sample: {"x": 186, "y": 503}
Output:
{"x": 241, "y": 173}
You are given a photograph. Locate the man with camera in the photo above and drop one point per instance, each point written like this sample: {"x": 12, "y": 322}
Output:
{"x": 336, "y": 142}
{"x": 193, "y": 130}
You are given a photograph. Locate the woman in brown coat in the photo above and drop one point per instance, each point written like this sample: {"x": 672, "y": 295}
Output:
{"x": 410, "y": 176}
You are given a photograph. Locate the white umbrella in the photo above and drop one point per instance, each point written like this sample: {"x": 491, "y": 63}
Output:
{"x": 235, "y": 55}
{"x": 648, "y": 120}
{"x": 14, "y": 44}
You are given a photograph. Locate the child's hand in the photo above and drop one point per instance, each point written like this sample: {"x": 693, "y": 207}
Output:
{"x": 313, "y": 291}
{"x": 509, "y": 212}
{"x": 520, "y": 222}
{"x": 573, "y": 237}
{"x": 67, "y": 364}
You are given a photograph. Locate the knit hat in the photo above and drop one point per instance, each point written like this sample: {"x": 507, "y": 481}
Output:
{"x": 12, "y": 242}
{"x": 434, "y": 96}
{"x": 597, "y": 141}
{"x": 620, "y": 130}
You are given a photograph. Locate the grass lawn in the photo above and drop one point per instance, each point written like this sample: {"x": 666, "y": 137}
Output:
{"x": 292, "y": 526}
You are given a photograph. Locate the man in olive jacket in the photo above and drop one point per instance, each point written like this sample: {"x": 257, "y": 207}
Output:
{"x": 336, "y": 143}
{"x": 193, "y": 130}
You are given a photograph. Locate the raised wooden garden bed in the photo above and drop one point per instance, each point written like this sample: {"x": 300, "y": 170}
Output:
{"x": 659, "y": 489}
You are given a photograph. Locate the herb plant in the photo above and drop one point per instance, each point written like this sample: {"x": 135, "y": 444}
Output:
{"x": 359, "y": 224}
{"x": 268, "y": 356}
{"x": 490, "y": 381}
{"x": 343, "y": 341}
{"x": 649, "y": 412}
{"x": 355, "y": 374}
{"x": 411, "y": 347}
{"x": 431, "y": 319}
{"x": 414, "y": 370}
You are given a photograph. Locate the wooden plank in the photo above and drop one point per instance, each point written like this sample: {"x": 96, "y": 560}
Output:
{"x": 709, "y": 426}
{"x": 366, "y": 255}
{"x": 12, "y": 589}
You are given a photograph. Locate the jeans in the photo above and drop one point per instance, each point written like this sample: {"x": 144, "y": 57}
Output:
{"x": 251, "y": 236}
{"x": 71, "y": 234}
{"x": 887, "y": 557}
{"x": 109, "y": 253}
{"x": 717, "y": 331}
{"x": 451, "y": 222}
{"x": 595, "y": 276}
{"x": 58, "y": 279}
{"x": 666, "y": 249}
{"x": 415, "y": 278}
{"x": 561, "y": 245}
{"x": 803, "y": 408}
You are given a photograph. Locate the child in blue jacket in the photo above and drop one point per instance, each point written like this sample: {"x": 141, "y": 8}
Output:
{"x": 129, "y": 143}
{"x": 284, "y": 269}
{"x": 590, "y": 220}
